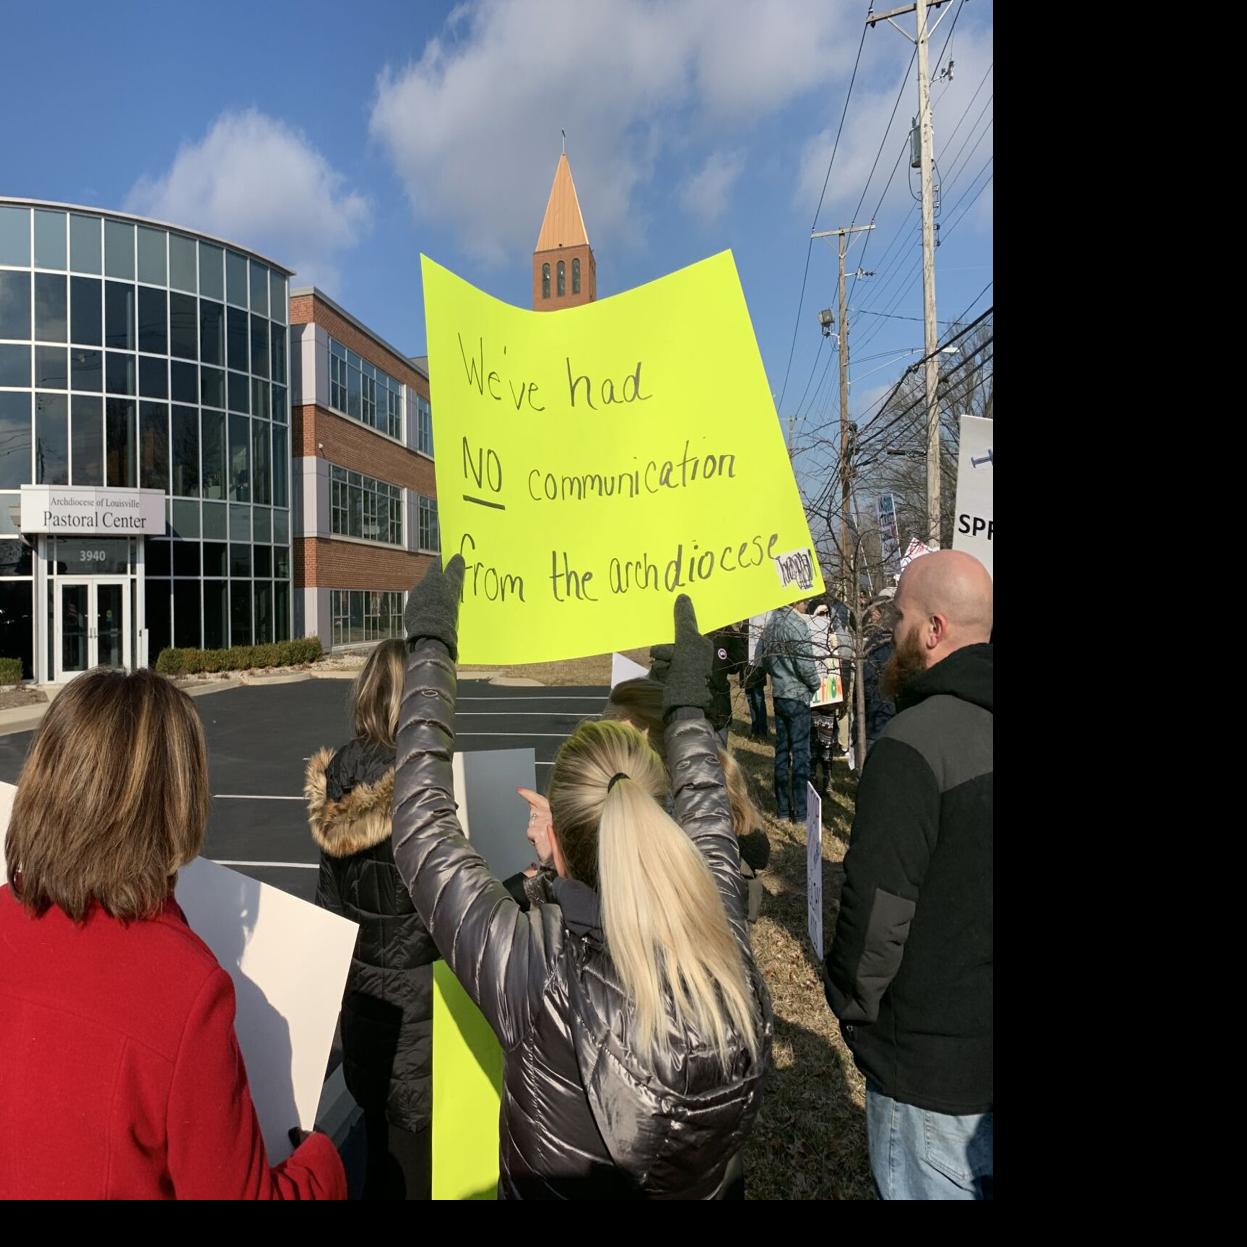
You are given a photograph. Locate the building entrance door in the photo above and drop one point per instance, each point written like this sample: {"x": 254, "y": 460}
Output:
{"x": 92, "y": 626}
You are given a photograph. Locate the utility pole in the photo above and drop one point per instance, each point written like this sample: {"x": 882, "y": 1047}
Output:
{"x": 931, "y": 332}
{"x": 845, "y": 474}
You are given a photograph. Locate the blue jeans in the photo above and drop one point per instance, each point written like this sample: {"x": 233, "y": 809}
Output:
{"x": 757, "y": 711}
{"x": 792, "y": 738}
{"x": 918, "y": 1154}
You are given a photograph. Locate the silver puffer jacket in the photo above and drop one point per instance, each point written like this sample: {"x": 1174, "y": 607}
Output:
{"x": 582, "y": 1115}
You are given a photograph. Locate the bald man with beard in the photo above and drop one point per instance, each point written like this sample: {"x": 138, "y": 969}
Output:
{"x": 909, "y": 973}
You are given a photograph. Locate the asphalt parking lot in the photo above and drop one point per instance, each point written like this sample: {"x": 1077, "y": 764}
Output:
{"x": 259, "y": 740}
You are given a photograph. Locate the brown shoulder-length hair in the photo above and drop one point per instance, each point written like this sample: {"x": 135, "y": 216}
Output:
{"x": 112, "y": 800}
{"x": 377, "y": 694}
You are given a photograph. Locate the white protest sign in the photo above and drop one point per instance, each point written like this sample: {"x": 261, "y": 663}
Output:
{"x": 814, "y": 866}
{"x": 825, "y": 644}
{"x": 915, "y": 550}
{"x": 889, "y": 533}
{"x": 7, "y": 793}
{"x": 974, "y": 528}
{"x": 625, "y": 669}
{"x": 492, "y": 814}
{"x": 756, "y": 624}
{"x": 289, "y": 962}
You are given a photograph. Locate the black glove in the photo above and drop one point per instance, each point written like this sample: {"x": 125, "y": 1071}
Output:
{"x": 691, "y": 660}
{"x": 433, "y": 606}
{"x": 660, "y": 662}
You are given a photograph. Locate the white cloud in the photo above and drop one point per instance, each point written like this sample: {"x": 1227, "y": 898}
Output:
{"x": 472, "y": 127}
{"x": 256, "y": 181}
{"x": 705, "y": 194}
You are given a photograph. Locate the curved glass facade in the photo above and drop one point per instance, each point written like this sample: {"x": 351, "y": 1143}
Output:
{"x": 135, "y": 355}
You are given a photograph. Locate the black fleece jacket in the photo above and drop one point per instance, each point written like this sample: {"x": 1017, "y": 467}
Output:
{"x": 909, "y": 973}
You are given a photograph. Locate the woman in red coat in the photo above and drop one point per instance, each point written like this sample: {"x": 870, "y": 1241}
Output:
{"x": 120, "y": 1074}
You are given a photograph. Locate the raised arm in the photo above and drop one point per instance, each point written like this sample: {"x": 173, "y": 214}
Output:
{"x": 697, "y": 783}
{"x": 498, "y": 952}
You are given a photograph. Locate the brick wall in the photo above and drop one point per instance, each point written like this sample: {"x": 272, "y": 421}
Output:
{"x": 306, "y": 308}
{"x": 352, "y": 445}
{"x": 588, "y": 278}
{"x": 326, "y": 563}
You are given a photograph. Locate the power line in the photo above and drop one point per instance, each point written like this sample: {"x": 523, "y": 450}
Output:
{"x": 878, "y": 293}
{"x": 949, "y": 341}
{"x": 970, "y": 103}
{"x": 952, "y": 173}
{"x": 858, "y": 311}
{"x": 872, "y": 434}
{"x": 810, "y": 248}
{"x": 947, "y": 40}
{"x": 972, "y": 202}
{"x": 945, "y": 234}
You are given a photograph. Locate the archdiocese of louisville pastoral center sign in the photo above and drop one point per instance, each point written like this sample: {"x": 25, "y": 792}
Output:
{"x": 91, "y": 510}
{"x": 595, "y": 462}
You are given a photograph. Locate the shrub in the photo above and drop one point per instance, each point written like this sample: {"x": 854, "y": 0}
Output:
{"x": 237, "y": 658}
{"x": 10, "y": 670}
{"x": 170, "y": 662}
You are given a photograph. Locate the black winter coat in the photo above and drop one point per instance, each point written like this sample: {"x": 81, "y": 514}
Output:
{"x": 583, "y": 1116}
{"x": 731, "y": 656}
{"x": 909, "y": 973}
{"x": 387, "y": 1009}
{"x": 880, "y": 709}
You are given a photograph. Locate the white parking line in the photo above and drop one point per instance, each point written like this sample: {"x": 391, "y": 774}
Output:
{"x": 220, "y": 861}
{"x": 538, "y": 697}
{"x": 508, "y": 714}
{"x": 516, "y": 735}
{"x": 250, "y": 796}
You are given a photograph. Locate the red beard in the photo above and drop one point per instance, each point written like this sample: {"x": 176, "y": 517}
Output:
{"x": 905, "y": 664}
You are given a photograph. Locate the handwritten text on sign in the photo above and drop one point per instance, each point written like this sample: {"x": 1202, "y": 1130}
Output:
{"x": 595, "y": 462}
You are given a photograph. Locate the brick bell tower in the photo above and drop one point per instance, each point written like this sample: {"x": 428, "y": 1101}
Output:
{"x": 564, "y": 270}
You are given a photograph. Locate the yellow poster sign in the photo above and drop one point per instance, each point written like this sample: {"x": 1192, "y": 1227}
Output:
{"x": 595, "y": 462}
{"x": 467, "y": 1094}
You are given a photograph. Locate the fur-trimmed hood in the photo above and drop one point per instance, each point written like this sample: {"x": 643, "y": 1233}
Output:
{"x": 360, "y": 820}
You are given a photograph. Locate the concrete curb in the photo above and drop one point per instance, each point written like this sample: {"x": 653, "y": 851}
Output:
{"x": 217, "y": 686}
{"x": 515, "y": 681}
{"x": 21, "y": 719}
{"x": 295, "y": 677}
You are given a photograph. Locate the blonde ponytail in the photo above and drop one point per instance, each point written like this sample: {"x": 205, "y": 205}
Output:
{"x": 666, "y": 928}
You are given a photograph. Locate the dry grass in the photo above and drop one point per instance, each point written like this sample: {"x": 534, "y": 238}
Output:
{"x": 810, "y": 1138}
{"x": 11, "y": 698}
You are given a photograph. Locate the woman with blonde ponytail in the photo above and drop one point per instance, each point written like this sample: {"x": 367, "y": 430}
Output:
{"x": 635, "y": 1025}
{"x": 664, "y": 922}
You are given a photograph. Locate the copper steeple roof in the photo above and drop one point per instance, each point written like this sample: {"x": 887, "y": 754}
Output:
{"x": 563, "y": 225}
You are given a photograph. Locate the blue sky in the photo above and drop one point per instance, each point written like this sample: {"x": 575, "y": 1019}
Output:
{"x": 344, "y": 140}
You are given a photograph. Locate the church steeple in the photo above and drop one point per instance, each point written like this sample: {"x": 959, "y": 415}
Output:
{"x": 564, "y": 270}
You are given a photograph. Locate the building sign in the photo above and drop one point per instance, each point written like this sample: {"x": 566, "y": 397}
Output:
{"x": 98, "y": 556}
{"x": 973, "y": 531}
{"x": 115, "y": 512}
